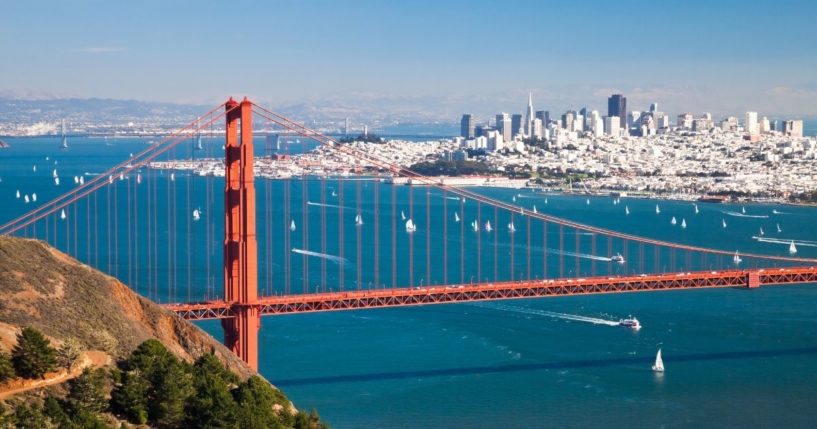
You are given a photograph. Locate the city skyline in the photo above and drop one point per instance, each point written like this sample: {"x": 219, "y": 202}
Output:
{"x": 424, "y": 55}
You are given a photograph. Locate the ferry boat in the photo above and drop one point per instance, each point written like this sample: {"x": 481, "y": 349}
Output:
{"x": 630, "y": 322}
{"x": 618, "y": 258}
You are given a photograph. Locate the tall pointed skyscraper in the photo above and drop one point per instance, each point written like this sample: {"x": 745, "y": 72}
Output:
{"x": 529, "y": 116}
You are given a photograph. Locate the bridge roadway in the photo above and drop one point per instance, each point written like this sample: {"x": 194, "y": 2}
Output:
{"x": 398, "y": 297}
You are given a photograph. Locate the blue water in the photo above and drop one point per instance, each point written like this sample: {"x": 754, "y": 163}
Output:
{"x": 734, "y": 358}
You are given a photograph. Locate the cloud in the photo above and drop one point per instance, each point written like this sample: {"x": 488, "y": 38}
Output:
{"x": 101, "y": 49}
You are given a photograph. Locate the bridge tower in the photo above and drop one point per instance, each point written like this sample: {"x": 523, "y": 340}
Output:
{"x": 240, "y": 245}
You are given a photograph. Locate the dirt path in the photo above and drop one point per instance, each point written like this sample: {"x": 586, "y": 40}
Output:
{"x": 88, "y": 359}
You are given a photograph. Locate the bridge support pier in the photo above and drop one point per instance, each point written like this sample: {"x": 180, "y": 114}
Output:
{"x": 240, "y": 245}
{"x": 753, "y": 280}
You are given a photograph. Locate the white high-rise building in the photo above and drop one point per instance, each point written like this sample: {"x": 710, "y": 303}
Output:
{"x": 537, "y": 128}
{"x": 751, "y": 124}
{"x": 495, "y": 140}
{"x": 503, "y": 125}
{"x": 611, "y": 125}
{"x": 596, "y": 124}
{"x": 529, "y": 116}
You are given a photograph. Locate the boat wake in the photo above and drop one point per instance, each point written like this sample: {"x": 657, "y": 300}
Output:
{"x": 535, "y": 312}
{"x": 335, "y": 206}
{"x": 580, "y": 255}
{"x": 739, "y": 214}
{"x": 805, "y": 243}
{"x": 336, "y": 259}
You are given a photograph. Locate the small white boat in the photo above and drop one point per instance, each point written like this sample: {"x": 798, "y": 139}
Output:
{"x": 546, "y": 200}
{"x": 761, "y": 231}
{"x": 292, "y": 225}
{"x": 475, "y": 226}
{"x": 792, "y": 248}
{"x": 736, "y": 259}
{"x": 34, "y": 197}
{"x": 402, "y": 215}
{"x": 774, "y": 211}
{"x": 172, "y": 177}
{"x": 138, "y": 179}
{"x": 456, "y": 217}
{"x": 334, "y": 194}
{"x": 34, "y": 168}
{"x": 658, "y": 366}
{"x": 358, "y": 220}
{"x": 683, "y": 224}
{"x": 81, "y": 180}
{"x": 673, "y": 221}
{"x": 54, "y": 174}
{"x": 514, "y": 198}
{"x": 110, "y": 180}
{"x": 723, "y": 222}
{"x": 410, "y": 226}
{"x": 76, "y": 180}
{"x": 18, "y": 193}
{"x": 618, "y": 258}
{"x": 696, "y": 208}
{"x": 25, "y": 198}
{"x": 588, "y": 201}
{"x": 743, "y": 210}
{"x": 657, "y": 209}
{"x": 488, "y": 226}
{"x": 62, "y": 214}
{"x": 511, "y": 228}
{"x": 534, "y": 208}
{"x": 626, "y": 210}
{"x": 57, "y": 181}
{"x": 196, "y": 215}
{"x": 630, "y": 322}
{"x": 778, "y": 228}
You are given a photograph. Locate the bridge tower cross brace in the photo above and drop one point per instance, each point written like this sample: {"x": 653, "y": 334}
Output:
{"x": 240, "y": 245}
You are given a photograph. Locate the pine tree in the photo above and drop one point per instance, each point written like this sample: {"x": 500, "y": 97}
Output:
{"x": 54, "y": 410}
{"x": 130, "y": 397}
{"x": 6, "y": 367}
{"x": 88, "y": 391}
{"x": 212, "y": 406}
{"x": 172, "y": 387}
{"x": 256, "y": 399}
{"x": 33, "y": 355}
{"x": 30, "y": 416}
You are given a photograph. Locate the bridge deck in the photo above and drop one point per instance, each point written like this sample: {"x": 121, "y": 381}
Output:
{"x": 398, "y": 297}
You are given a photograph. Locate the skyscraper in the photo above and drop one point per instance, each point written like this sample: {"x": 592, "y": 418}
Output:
{"x": 751, "y": 124}
{"x": 503, "y": 125}
{"x": 544, "y": 115}
{"x": 529, "y": 116}
{"x": 617, "y": 106}
{"x": 467, "y": 126}
{"x": 516, "y": 124}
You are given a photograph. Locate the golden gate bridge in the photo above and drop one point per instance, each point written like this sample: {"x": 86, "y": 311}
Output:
{"x": 120, "y": 211}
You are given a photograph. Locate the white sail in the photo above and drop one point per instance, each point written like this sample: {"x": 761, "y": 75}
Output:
{"x": 673, "y": 221}
{"x": 761, "y": 231}
{"x": 475, "y": 226}
{"x": 57, "y": 181}
{"x": 626, "y": 210}
{"x": 658, "y": 366}
{"x": 488, "y": 226}
{"x": 534, "y": 209}
{"x": 696, "y": 208}
{"x": 588, "y": 201}
{"x": 64, "y": 142}
{"x": 172, "y": 177}
{"x": 657, "y": 209}
{"x": 358, "y": 220}
{"x": 743, "y": 210}
{"x": 683, "y": 223}
{"x": 410, "y": 226}
{"x": 76, "y": 180}
{"x": 511, "y": 228}
{"x": 18, "y": 193}
{"x": 34, "y": 168}
{"x": 196, "y": 214}
{"x": 723, "y": 222}
{"x": 81, "y": 180}
{"x": 25, "y": 198}
{"x": 456, "y": 217}
{"x": 792, "y": 248}
{"x": 736, "y": 259}
{"x": 514, "y": 198}
{"x": 334, "y": 194}
{"x": 138, "y": 178}
{"x": 292, "y": 225}
{"x": 34, "y": 197}
{"x": 62, "y": 214}
{"x": 54, "y": 174}
{"x": 121, "y": 176}
{"x": 546, "y": 200}
{"x": 778, "y": 228}
{"x": 110, "y": 179}
{"x": 402, "y": 215}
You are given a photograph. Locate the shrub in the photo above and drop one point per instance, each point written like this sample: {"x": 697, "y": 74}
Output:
{"x": 70, "y": 351}
{"x": 6, "y": 367}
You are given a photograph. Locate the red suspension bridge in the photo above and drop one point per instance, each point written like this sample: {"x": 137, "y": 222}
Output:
{"x": 156, "y": 226}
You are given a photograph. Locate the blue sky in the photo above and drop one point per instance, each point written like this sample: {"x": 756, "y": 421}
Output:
{"x": 720, "y": 55}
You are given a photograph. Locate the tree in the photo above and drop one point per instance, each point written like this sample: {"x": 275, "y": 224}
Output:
{"x": 4, "y": 420}
{"x": 256, "y": 400}
{"x": 129, "y": 397}
{"x": 54, "y": 410}
{"x": 30, "y": 416}
{"x": 68, "y": 353}
{"x": 88, "y": 391}
{"x": 33, "y": 355}
{"x": 6, "y": 367}
{"x": 171, "y": 389}
{"x": 212, "y": 406}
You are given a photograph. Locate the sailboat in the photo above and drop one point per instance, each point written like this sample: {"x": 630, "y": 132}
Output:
{"x": 511, "y": 228}
{"x": 81, "y": 180}
{"x": 546, "y": 200}
{"x": 792, "y": 248}
{"x": 34, "y": 197}
{"x": 64, "y": 142}
{"x": 76, "y": 180}
{"x": 723, "y": 222}
{"x": 172, "y": 177}
{"x": 626, "y": 210}
{"x": 54, "y": 173}
{"x": 588, "y": 201}
{"x": 743, "y": 209}
{"x": 673, "y": 221}
{"x": 138, "y": 178}
{"x": 514, "y": 198}
{"x": 696, "y": 208}
{"x": 488, "y": 226}
{"x": 410, "y": 226}
{"x": 475, "y": 226}
{"x": 34, "y": 169}
{"x": 196, "y": 214}
{"x": 334, "y": 194}
{"x": 657, "y": 209}
{"x": 198, "y": 143}
{"x": 658, "y": 366}
{"x": 534, "y": 209}
{"x": 62, "y": 214}
{"x": 761, "y": 231}
{"x": 292, "y": 225}
{"x": 57, "y": 181}
{"x": 358, "y": 220}
{"x": 778, "y": 228}
{"x": 18, "y": 193}
{"x": 736, "y": 259}
{"x": 25, "y": 198}
{"x": 402, "y": 215}
{"x": 683, "y": 223}
{"x": 456, "y": 217}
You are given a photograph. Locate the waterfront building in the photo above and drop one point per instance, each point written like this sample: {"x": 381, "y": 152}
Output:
{"x": 617, "y": 106}
{"x": 503, "y": 125}
{"x": 467, "y": 126}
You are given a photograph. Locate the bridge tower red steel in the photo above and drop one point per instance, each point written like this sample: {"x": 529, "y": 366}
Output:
{"x": 240, "y": 245}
